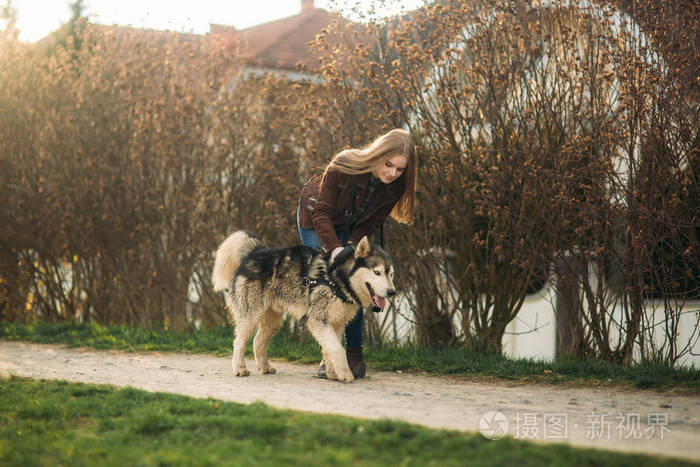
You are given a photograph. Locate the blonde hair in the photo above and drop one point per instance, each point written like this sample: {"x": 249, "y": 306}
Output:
{"x": 361, "y": 161}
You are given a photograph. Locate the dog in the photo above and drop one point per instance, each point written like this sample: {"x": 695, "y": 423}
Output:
{"x": 260, "y": 284}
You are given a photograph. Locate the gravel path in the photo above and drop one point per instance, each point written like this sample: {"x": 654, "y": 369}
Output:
{"x": 604, "y": 418}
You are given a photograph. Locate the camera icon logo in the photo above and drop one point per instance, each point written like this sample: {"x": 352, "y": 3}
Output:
{"x": 493, "y": 425}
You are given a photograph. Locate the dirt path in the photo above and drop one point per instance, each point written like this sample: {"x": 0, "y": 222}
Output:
{"x": 634, "y": 421}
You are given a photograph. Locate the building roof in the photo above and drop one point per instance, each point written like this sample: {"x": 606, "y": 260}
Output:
{"x": 157, "y": 38}
{"x": 281, "y": 44}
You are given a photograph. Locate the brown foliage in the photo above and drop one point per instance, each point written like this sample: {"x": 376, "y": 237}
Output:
{"x": 103, "y": 155}
{"x": 538, "y": 125}
{"x": 554, "y": 142}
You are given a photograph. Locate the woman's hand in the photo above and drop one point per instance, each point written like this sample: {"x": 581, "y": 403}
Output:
{"x": 335, "y": 252}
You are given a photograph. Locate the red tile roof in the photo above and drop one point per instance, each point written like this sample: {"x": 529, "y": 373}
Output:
{"x": 283, "y": 43}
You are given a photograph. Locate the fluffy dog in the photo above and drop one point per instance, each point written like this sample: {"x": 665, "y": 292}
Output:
{"x": 260, "y": 284}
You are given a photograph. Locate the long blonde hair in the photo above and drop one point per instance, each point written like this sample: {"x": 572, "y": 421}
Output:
{"x": 361, "y": 161}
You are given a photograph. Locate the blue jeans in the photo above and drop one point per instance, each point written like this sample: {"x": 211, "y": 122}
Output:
{"x": 353, "y": 330}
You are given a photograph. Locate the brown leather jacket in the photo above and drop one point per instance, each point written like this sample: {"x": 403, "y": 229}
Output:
{"x": 323, "y": 208}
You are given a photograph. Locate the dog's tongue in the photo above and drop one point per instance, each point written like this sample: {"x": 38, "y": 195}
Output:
{"x": 379, "y": 301}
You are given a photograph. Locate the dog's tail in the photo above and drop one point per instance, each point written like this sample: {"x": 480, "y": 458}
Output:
{"x": 229, "y": 255}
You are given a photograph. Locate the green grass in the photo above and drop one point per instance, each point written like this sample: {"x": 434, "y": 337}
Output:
{"x": 454, "y": 361}
{"x": 216, "y": 340}
{"x": 458, "y": 361}
{"x": 61, "y": 423}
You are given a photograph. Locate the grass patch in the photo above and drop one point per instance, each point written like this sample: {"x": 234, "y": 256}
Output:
{"x": 284, "y": 345}
{"x": 216, "y": 340}
{"x": 61, "y": 423}
{"x": 459, "y": 361}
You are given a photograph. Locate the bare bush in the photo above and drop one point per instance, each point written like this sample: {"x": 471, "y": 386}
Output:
{"x": 105, "y": 166}
{"x": 537, "y": 125}
{"x": 556, "y": 141}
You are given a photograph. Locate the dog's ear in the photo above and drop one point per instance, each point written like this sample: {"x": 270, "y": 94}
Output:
{"x": 363, "y": 248}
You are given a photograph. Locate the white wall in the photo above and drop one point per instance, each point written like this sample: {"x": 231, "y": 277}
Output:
{"x": 532, "y": 334}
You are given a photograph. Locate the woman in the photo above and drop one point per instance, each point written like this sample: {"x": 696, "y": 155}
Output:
{"x": 353, "y": 197}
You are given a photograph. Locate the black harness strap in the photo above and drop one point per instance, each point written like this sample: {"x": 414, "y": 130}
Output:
{"x": 309, "y": 283}
{"x": 337, "y": 291}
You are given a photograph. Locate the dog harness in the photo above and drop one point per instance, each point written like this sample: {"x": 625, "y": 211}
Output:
{"x": 335, "y": 288}
{"x": 309, "y": 283}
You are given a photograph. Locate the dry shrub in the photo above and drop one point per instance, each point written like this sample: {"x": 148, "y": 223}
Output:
{"x": 539, "y": 128}
{"x": 556, "y": 141}
{"x": 106, "y": 167}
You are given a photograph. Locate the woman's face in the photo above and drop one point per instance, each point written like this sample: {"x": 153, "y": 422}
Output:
{"x": 390, "y": 169}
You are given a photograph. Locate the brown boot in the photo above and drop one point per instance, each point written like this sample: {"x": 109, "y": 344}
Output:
{"x": 356, "y": 362}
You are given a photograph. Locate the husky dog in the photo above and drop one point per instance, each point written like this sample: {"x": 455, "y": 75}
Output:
{"x": 260, "y": 284}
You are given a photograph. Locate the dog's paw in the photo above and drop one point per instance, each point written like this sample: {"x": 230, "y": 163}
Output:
{"x": 330, "y": 372}
{"x": 345, "y": 376}
{"x": 242, "y": 372}
{"x": 268, "y": 371}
